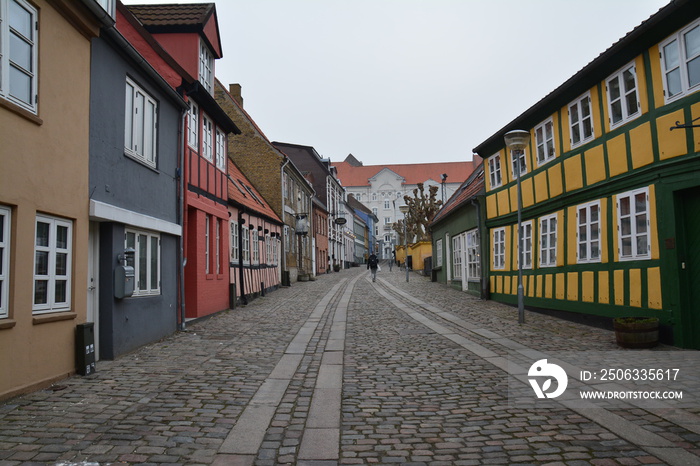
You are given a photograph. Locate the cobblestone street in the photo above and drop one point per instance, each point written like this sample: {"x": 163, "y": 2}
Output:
{"x": 338, "y": 371}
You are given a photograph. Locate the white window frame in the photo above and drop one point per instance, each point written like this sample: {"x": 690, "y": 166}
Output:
{"x": 206, "y": 67}
{"x": 638, "y": 226}
{"x": 679, "y": 69}
{"x": 254, "y": 247}
{"x": 499, "y": 248}
{"x": 27, "y": 69}
{"x": 577, "y": 120}
{"x": 387, "y": 205}
{"x": 246, "y": 245}
{"x": 207, "y": 244}
{"x": 52, "y": 277}
{"x": 193, "y": 126}
{"x": 151, "y": 289}
{"x": 140, "y": 130}
{"x": 527, "y": 245}
{"x": 545, "y": 142}
{"x": 495, "y": 171}
{"x": 108, "y": 6}
{"x": 473, "y": 255}
{"x": 234, "y": 242}
{"x": 207, "y": 138}
{"x": 625, "y": 98}
{"x": 592, "y": 232}
{"x": 221, "y": 152}
{"x": 5, "y": 222}
{"x": 457, "y": 257}
{"x": 217, "y": 246}
{"x": 438, "y": 250}
{"x": 518, "y": 159}
{"x": 548, "y": 240}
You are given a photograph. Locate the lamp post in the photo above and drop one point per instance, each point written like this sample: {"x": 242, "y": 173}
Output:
{"x": 517, "y": 141}
{"x": 404, "y": 211}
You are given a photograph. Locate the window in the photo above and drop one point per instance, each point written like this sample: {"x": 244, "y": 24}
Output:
{"x": 387, "y": 221}
{"x": 4, "y": 261}
{"x": 217, "y": 247}
{"x": 207, "y": 240}
{"x": 387, "y": 238}
{"x": 544, "y": 139}
{"x": 387, "y": 205}
{"x": 527, "y": 245}
{"x": 52, "y": 264}
{"x": 234, "y": 242}
{"x": 623, "y": 103}
{"x": 140, "y": 129}
{"x": 499, "y": 248}
{"x": 519, "y": 163}
{"x": 680, "y": 60}
{"x": 588, "y": 234}
{"x": 438, "y": 252}
{"x": 107, "y": 5}
{"x": 146, "y": 261}
{"x": 375, "y": 211}
{"x": 374, "y": 196}
{"x": 255, "y": 246}
{"x": 206, "y": 67}
{"x": 548, "y": 241}
{"x": 207, "y": 138}
{"x": 473, "y": 255}
{"x": 495, "y": 171}
{"x": 220, "y": 149}
{"x": 633, "y": 225}
{"x": 457, "y": 257}
{"x": 246, "y": 245}
{"x": 18, "y": 53}
{"x": 581, "y": 120}
{"x": 193, "y": 126}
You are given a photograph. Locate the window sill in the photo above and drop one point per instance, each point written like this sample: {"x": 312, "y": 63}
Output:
{"x": 7, "y": 323}
{"x": 54, "y": 317}
{"x": 140, "y": 161}
{"x": 210, "y": 276}
{"x": 20, "y": 111}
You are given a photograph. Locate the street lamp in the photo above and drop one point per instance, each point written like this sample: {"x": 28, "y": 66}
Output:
{"x": 404, "y": 211}
{"x": 517, "y": 141}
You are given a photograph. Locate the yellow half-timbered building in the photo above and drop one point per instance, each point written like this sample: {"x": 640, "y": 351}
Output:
{"x": 610, "y": 185}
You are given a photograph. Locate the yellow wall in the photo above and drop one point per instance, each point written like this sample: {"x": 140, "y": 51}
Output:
{"x": 44, "y": 163}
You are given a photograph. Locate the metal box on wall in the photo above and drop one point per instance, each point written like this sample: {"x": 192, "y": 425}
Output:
{"x": 85, "y": 348}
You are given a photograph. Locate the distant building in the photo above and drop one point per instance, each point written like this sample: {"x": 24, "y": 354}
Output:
{"x": 382, "y": 188}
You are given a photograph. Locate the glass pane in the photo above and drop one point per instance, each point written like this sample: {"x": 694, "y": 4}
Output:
{"x": 641, "y": 223}
{"x": 626, "y": 226}
{"x": 624, "y": 206}
{"x": 626, "y": 247}
{"x": 673, "y": 80}
{"x": 154, "y": 263}
{"x": 41, "y": 292}
{"x": 582, "y": 234}
{"x": 628, "y": 79}
{"x": 573, "y": 111}
{"x": 594, "y": 232}
{"x": 138, "y": 123}
{"x": 595, "y": 250}
{"x": 694, "y": 72}
{"x": 642, "y": 247}
{"x": 61, "y": 291}
{"x": 582, "y": 252}
{"x": 614, "y": 88}
{"x": 631, "y": 101}
{"x": 594, "y": 214}
{"x": 552, "y": 256}
{"x": 550, "y": 148}
{"x": 149, "y": 131}
{"x": 587, "y": 128}
{"x": 61, "y": 237}
{"x": 21, "y": 20}
{"x": 62, "y": 264}
{"x": 640, "y": 203}
{"x": 585, "y": 108}
{"x": 20, "y": 85}
{"x": 575, "y": 134}
{"x": 42, "y": 234}
{"x": 20, "y": 52}
{"x": 143, "y": 262}
{"x": 616, "y": 110}
{"x": 129, "y": 117}
{"x": 2, "y": 228}
{"x": 541, "y": 155}
{"x": 582, "y": 216}
{"x": 41, "y": 263}
{"x": 671, "y": 58}
{"x": 2, "y": 271}
{"x": 692, "y": 42}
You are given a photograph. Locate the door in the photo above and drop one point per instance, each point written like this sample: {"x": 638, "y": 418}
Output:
{"x": 93, "y": 308}
{"x": 688, "y": 213}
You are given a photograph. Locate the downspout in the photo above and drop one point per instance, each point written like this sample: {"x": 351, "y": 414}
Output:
{"x": 181, "y": 213}
{"x": 284, "y": 251}
{"x": 241, "y": 274}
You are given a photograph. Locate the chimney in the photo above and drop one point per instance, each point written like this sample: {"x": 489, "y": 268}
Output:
{"x": 235, "y": 91}
{"x": 476, "y": 161}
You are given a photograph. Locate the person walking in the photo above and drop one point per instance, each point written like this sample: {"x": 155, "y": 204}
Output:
{"x": 372, "y": 266}
{"x": 392, "y": 259}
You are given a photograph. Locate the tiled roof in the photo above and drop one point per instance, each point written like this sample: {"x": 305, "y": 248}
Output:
{"x": 240, "y": 190}
{"x": 470, "y": 188}
{"x": 415, "y": 173}
{"x": 172, "y": 14}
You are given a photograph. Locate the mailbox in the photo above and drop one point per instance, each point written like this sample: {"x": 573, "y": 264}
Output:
{"x": 85, "y": 348}
{"x": 124, "y": 275}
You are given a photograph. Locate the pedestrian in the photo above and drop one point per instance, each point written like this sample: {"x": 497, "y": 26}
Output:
{"x": 392, "y": 259}
{"x": 372, "y": 266}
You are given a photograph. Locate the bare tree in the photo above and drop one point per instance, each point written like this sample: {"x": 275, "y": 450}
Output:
{"x": 422, "y": 208}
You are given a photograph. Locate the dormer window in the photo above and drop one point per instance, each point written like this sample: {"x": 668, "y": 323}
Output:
{"x": 206, "y": 67}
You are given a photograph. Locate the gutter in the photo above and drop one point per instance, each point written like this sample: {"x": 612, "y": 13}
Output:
{"x": 181, "y": 207}
{"x": 284, "y": 251}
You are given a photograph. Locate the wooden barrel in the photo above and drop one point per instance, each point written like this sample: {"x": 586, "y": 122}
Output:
{"x": 636, "y": 332}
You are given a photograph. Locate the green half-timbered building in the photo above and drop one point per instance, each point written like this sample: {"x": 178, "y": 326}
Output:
{"x": 610, "y": 185}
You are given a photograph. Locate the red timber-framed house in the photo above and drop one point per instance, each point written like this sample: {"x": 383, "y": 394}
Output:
{"x": 189, "y": 33}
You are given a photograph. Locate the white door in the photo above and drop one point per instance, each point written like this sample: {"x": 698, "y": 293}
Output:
{"x": 93, "y": 309}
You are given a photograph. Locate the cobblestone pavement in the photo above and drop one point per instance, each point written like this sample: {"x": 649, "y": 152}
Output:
{"x": 338, "y": 371}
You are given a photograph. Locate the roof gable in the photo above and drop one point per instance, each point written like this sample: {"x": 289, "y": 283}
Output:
{"x": 242, "y": 192}
{"x": 471, "y": 188}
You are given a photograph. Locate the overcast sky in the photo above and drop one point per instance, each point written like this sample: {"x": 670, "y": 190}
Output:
{"x": 407, "y": 81}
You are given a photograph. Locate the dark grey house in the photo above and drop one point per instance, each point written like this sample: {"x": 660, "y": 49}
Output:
{"x": 135, "y": 213}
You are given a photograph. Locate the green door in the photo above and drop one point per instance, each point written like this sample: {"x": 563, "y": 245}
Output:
{"x": 688, "y": 202}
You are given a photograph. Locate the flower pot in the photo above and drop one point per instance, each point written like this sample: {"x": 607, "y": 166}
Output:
{"x": 636, "y": 332}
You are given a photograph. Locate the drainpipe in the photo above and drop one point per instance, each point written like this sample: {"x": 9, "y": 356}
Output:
{"x": 284, "y": 251}
{"x": 241, "y": 273}
{"x": 181, "y": 213}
